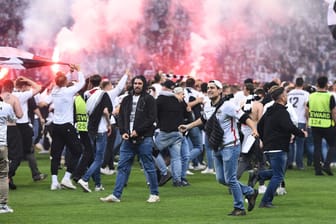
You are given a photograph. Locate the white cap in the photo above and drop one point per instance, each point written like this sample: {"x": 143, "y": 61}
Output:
{"x": 217, "y": 83}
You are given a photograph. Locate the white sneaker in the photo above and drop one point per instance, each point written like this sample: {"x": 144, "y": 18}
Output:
{"x": 153, "y": 198}
{"x": 208, "y": 171}
{"x": 39, "y": 147}
{"x": 281, "y": 191}
{"x": 189, "y": 172}
{"x": 262, "y": 189}
{"x": 4, "y": 208}
{"x": 55, "y": 187}
{"x": 67, "y": 183}
{"x": 43, "y": 152}
{"x": 106, "y": 171}
{"x": 199, "y": 167}
{"x": 99, "y": 188}
{"x": 84, "y": 185}
{"x": 110, "y": 198}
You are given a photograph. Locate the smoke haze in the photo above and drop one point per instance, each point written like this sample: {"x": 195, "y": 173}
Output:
{"x": 182, "y": 36}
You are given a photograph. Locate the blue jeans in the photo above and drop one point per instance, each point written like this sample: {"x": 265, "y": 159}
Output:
{"x": 128, "y": 150}
{"x": 209, "y": 155}
{"x": 36, "y": 129}
{"x": 98, "y": 142}
{"x": 195, "y": 143}
{"x": 172, "y": 141}
{"x": 299, "y": 143}
{"x": 226, "y": 164}
{"x": 185, "y": 156}
{"x": 278, "y": 162}
{"x": 166, "y": 139}
{"x": 160, "y": 164}
{"x": 309, "y": 146}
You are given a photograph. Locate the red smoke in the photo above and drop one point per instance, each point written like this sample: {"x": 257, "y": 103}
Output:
{"x": 180, "y": 36}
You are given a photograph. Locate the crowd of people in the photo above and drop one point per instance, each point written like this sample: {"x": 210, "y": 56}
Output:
{"x": 173, "y": 128}
{"x": 302, "y": 46}
{"x": 186, "y": 121}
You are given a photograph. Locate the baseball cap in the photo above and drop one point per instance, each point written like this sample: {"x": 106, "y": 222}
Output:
{"x": 217, "y": 83}
{"x": 168, "y": 84}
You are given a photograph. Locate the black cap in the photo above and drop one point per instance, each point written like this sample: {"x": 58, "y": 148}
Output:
{"x": 168, "y": 84}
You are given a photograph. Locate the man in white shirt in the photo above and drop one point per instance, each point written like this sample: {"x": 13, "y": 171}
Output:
{"x": 64, "y": 133}
{"x": 13, "y": 134}
{"x": 298, "y": 98}
{"x": 25, "y": 90}
{"x": 6, "y": 114}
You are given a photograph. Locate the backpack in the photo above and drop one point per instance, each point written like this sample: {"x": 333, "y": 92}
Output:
{"x": 214, "y": 131}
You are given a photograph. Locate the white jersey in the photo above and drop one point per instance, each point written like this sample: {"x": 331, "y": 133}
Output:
{"x": 23, "y": 98}
{"x": 63, "y": 100}
{"x": 298, "y": 98}
{"x": 227, "y": 114}
{"x": 158, "y": 89}
{"x": 190, "y": 92}
{"x": 239, "y": 98}
{"x": 6, "y": 114}
{"x": 331, "y": 18}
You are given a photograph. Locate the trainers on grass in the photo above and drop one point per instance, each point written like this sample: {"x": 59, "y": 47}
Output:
{"x": 67, "y": 184}
{"x": 99, "y": 188}
{"x": 110, "y": 198}
{"x": 84, "y": 185}
{"x": 153, "y": 198}
{"x": 4, "y": 208}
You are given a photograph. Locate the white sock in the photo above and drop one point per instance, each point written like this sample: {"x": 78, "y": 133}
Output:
{"x": 67, "y": 175}
{"x": 54, "y": 179}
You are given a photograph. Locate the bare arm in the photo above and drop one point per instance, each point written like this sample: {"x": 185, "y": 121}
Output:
{"x": 38, "y": 113}
{"x": 106, "y": 115}
{"x": 195, "y": 102}
{"x": 17, "y": 107}
{"x": 186, "y": 127}
{"x": 35, "y": 87}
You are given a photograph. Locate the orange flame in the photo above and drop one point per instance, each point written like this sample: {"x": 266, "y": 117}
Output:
{"x": 55, "y": 58}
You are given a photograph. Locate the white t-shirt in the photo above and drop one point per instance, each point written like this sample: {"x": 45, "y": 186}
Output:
{"x": 134, "y": 105}
{"x": 298, "y": 98}
{"x": 63, "y": 101}
{"x": 23, "y": 98}
{"x": 239, "y": 98}
{"x": 6, "y": 114}
{"x": 158, "y": 89}
{"x": 227, "y": 114}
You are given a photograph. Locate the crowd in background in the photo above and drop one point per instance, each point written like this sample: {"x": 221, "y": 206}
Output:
{"x": 301, "y": 47}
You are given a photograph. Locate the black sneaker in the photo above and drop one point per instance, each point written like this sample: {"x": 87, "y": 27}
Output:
{"x": 266, "y": 205}
{"x": 165, "y": 178}
{"x": 177, "y": 184}
{"x": 40, "y": 177}
{"x": 11, "y": 184}
{"x": 327, "y": 170}
{"x": 237, "y": 212}
{"x": 185, "y": 182}
{"x": 319, "y": 173}
{"x": 252, "y": 200}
